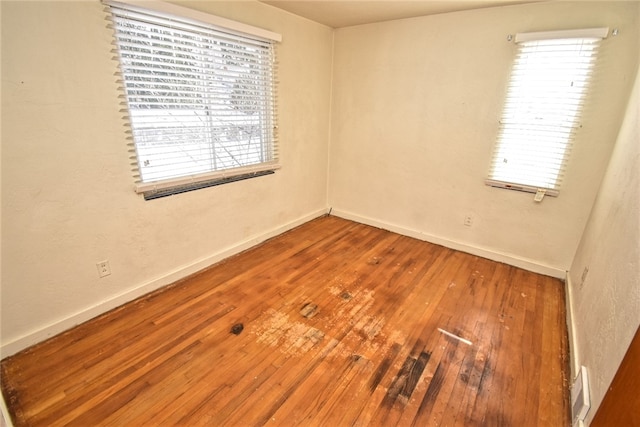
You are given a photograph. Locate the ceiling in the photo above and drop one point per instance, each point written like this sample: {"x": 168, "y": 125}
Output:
{"x": 346, "y": 13}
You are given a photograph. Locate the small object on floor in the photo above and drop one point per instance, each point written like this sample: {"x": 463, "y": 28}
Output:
{"x": 237, "y": 328}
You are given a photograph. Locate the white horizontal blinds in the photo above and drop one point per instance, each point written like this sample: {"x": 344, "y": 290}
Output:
{"x": 549, "y": 81}
{"x": 200, "y": 101}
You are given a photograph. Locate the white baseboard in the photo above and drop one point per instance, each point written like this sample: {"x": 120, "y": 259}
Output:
{"x": 526, "y": 264}
{"x": 5, "y": 418}
{"x": 41, "y": 334}
{"x": 32, "y": 338}
{"x": 574, "y": 356}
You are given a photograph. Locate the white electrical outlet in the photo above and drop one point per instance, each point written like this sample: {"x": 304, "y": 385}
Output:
{"x": 468, "y": 220}
{"x": 104, "y": 269}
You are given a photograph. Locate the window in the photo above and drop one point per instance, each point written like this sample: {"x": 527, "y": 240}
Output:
{"x": 545, "y": 98}
{"x": 200, "y": 98}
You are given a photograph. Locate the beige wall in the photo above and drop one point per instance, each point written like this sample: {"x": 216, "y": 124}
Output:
{"x": 67, "y": 192}
{"x": 606, "y": 304}
{"x": 415, "y": 116}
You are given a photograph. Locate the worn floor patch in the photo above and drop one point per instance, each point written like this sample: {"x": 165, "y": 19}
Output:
{"x": 291, "y": 337}
{"x": 309, "y": 310}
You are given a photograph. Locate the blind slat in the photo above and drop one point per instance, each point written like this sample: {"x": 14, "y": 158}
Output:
{"x": 543, "y": 106}
{"x": 192, "y": 17}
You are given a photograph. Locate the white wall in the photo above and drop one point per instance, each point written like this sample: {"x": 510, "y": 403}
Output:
{"x": 67, "y": 192}
{"x": 606, "y": 305}
{"x": 415, "y": 114}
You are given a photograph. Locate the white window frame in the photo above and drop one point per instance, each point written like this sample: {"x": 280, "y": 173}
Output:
{"x": 184, "y": 20}
{"x": 516, "y": 138}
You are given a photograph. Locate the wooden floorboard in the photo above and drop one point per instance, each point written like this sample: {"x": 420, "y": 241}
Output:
{"x": 334, "y": 323}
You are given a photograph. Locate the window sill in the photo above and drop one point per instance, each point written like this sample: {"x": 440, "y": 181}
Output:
{"x": 520, "y": 187}
{"x": 170, "y": 191}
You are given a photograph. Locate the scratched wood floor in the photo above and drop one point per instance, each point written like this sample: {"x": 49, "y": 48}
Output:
{"x": 334, "y": 323}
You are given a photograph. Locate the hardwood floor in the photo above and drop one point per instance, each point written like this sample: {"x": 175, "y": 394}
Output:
{"x": 334, "y": 323}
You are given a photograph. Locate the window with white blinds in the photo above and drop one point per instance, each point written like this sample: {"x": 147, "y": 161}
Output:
{"x": 542, "y": 111}
{"x": 200, "y": 99}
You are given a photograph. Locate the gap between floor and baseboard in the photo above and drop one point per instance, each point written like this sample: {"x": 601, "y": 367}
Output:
{"x": 89, "y": 313}
{"x": 523, "y": 263}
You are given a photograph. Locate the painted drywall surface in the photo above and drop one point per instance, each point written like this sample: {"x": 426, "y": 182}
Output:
{"x": 67, "y": 191}
{"x": 415, "y": 113}
{"x": 606, "y": 304}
